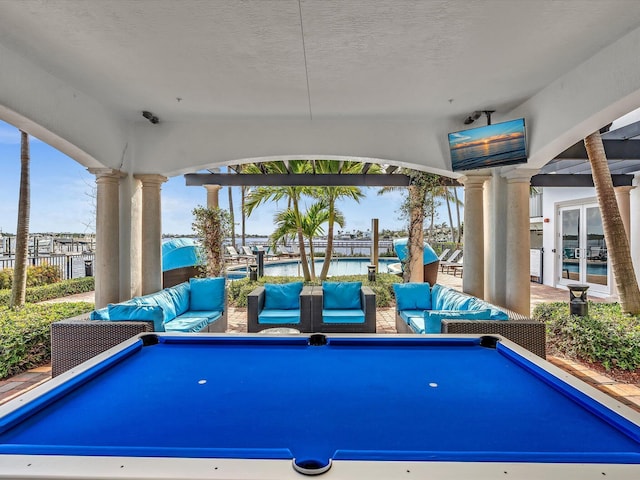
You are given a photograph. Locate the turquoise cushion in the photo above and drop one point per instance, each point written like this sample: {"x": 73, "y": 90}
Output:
{"x": 125, "y": 312}
{"x": 185, "y": 324}
{"x": 496, "y": 314}
{"x": 412, "y": 296}
{"x": 433, "y": 318}
{"x": 282, "y": 296}
{"x": 444, "y": 298}
{"x": 341, "y": 295}
{"x": 100, "y": 314}
{"x": 161, "y": 299}
{"x": 343, "y": 316}
{"x": 210, "y": 315}
{"x": 180, "y": 294}
{"x": 417, "y": 323}
{"x": 279, "y": 316}
{"x": 407, "y": 315}
{"x": 206, "y": 293}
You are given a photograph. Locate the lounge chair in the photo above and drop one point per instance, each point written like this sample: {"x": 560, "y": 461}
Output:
{"x": 455, "y": 267}
{"x": 450, "y": 260}
{"x": 234, "y": 255}
{"x": 443, "y": 254}
{"x": 343, "y": 307}
{"x": 285, "y": 305}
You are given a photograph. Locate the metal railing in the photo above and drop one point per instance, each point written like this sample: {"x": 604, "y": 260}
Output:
{"x": 71, "y": 266}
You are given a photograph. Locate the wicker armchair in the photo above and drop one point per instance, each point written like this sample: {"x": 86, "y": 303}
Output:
{"x": 255, "y": 305}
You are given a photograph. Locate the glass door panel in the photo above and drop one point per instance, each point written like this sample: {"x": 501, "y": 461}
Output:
{"x": 569, "y": 245}
{"x": 596, "y": 264}
{"x": 582, "y": 250}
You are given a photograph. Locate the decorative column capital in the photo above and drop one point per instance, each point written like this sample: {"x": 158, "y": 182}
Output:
{"x": 150, "y": 179}
{"x": 624, "y": 189}
{"x": 212, "y": 188}
{"x": 473, "y": 181}
{"x": 520, "y": 175}
{"x": 107, "y": 173}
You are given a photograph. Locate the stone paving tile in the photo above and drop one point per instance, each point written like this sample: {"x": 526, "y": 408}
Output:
{"x": 7, "y": 386}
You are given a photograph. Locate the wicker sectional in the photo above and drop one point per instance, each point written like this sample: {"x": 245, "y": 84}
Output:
{"x": 520, "y": 329}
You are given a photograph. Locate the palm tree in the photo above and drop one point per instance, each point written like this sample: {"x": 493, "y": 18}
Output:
{"x": 331, "y": 194}
{"x": 614, "y": 232}
{"x": 232, "y": 219}
{"x": 415, "y": 209}
{"x": 19, "y": 287}
{"x": 261, "y": 195}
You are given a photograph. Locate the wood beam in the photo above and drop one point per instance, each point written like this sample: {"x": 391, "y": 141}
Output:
{"x": 576, "y": 180}
{"x": 615, "y": 150}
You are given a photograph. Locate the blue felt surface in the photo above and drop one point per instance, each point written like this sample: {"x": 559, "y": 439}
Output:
{"x": 354, "y": 398}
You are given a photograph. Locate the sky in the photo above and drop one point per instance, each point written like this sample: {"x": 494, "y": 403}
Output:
{"x": 62, "y": 195}
{"x": 62, "y": 201}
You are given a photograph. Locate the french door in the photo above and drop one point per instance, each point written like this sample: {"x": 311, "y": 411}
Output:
{"x": 582, "y": 251}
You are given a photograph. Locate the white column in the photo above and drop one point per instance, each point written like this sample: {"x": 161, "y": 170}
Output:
{"x": 634, "y": 226}
{"x": 151, "y": 232}
{"x": 495, "y": 234}
{"x": 518, "y": 278}
{"x": 623, "y": 198}
{"x": 107, "y": 259}
{"x": 212, "y": 195}
{"x": 473, "y": 273}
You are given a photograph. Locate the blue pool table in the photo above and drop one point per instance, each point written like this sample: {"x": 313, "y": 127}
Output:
{"x": 368, "y": 406}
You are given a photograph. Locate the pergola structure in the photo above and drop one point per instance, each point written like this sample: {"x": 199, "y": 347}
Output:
{"x": 138, "y": 91}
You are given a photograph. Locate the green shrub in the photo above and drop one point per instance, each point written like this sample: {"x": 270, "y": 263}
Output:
{"x": 25, "y": 341}
{"x": 6, "y": 278}
{"x": 37, "y": 275}
{"x": 55, "y": 290}
{"x": 606, "y": 336}
{"x": 383, "y": 287}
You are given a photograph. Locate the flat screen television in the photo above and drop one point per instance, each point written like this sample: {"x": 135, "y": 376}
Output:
{"x": 494, "y": 145}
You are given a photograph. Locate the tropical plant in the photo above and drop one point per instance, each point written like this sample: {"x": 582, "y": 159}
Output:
{"x": 260, "y": 195}
{"x": 614, "y": 232}
{"x": 331, "y": 194}
{"x": 19, "y": 287}
{"x": 211, "y": 225}
{"x": 419, "y": 201}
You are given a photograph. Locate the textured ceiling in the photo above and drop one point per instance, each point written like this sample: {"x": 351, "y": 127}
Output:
{"x": 311, "y": 59}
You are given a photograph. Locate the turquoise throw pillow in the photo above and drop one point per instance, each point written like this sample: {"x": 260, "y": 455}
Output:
{"x": 284, "y": 296}
{"x": 100, "y": 314}
{"x": 412, "y": 296}
{"x": 496, "y": 314}
{"x": 341, "y": 295}
{"x": 180, "y": 296}
{"x": 125, "y": 312}
{"x": 433, "y": 318}
{"x": 206, "y": 293}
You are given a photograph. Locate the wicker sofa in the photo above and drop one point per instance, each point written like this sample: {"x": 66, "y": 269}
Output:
{"x": 75, "y": 340}
{"x": 518, "y": 328}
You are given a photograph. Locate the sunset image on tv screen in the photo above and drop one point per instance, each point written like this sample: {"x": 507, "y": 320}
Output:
{"x": 489, "y": 146}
